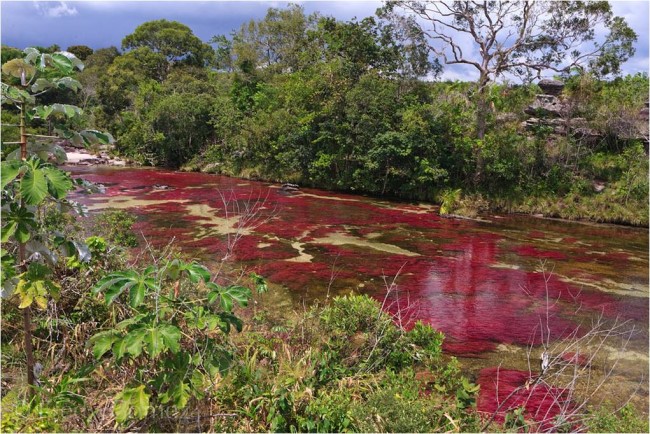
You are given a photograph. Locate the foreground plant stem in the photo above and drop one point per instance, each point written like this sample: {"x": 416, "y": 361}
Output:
{"x": 27, "y": 317}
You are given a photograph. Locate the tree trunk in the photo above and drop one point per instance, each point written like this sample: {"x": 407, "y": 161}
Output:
{"x": 482, "y": 106}
{"x": 27, "y": 321}
{"x": 481, "y": 116}
{"x": 482, "y": 110}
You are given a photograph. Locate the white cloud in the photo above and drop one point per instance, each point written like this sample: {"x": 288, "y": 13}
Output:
{"x": 54, "y": 10}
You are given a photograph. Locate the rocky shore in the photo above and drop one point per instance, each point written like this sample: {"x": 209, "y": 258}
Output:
{"x": 82, "y": 157}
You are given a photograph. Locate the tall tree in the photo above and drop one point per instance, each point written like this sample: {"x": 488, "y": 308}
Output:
{"x": 172, "y": 39}
{"x": 523, "y": 38}
{"x": 81, "y": 51}
{"x": 277, "y": 43}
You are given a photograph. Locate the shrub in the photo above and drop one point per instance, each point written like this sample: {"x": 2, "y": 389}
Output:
{"x": 115, "y": 226}
{"x": 626, "y": 419}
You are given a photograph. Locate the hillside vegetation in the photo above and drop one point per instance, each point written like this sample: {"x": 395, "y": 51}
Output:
{"x": 343, "y": 105}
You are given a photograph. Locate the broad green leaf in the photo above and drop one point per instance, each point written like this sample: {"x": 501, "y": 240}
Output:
{"x": 22, "y": 233}
{"x": 18, "y": 68}
{"x": 153, "y": 341}
{"x": 197, "y": 272}
{"x": 31, "y": 54}
{"x": 107, "y": 281}
{"x": 136, "y": 294}
{"x": 180, "y": 392}
{"x": 67, "y": 83}
{"x": 91, "y": 137}
{"x": 260, "y": 283}
{"x": 58, "y": 182}
{"x": 33, "y": 185}
{"x": 140, "y": 402}
{"x": 116, "y": 283}
{"x": 118, "y": 288}
{"x": 16, "y": 95}
{"x": 102, "y": 342}
{"x": 76, "y": 62}
{"x": 40, "y": 85}
{"x": 36, "y": 271}
{"x": 171, "y": 337}
{"x": 119, "y": 349}
{"x": 17, "y": 222}
{"x": 122, "y": 405}
{"x": 61, "y": 62}
{"x": 68, "y": 110}
{"x": 9, "y": 170}
{"x": 133, "y": 342}
{"x": 228, "y": 319}
{"x": 44, "y": 111}
{"x": 8, "y": 230}
{"x": 112, "y": 286}
{"x": 228, "y": 295}
{"x": 214, "y": 294}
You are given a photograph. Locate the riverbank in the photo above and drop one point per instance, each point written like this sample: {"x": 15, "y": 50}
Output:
{"x": 590, "y": 206}
{"x": 598, "y": 207}
{"x": 82, "y": 157}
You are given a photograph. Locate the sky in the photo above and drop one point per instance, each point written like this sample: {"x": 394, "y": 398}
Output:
{"x": 101, "y": 24}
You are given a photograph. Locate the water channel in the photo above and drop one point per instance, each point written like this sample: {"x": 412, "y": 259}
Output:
{"x": 495, "y": 287}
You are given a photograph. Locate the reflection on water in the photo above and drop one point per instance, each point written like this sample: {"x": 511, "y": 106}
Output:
{"x": 486, "y": 285}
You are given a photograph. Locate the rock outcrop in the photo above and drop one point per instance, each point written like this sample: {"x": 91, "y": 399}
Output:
{"x": 548, "y": 110}
{"x": 81, "y": 157}
{"x": 551, "y": 87}
{"x": 551, "y": 111}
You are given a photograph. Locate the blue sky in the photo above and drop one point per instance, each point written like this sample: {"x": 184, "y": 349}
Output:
{"x": 104, "y": 23}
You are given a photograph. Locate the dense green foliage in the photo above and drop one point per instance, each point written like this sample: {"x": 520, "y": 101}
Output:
{"x": 341, "y": 105}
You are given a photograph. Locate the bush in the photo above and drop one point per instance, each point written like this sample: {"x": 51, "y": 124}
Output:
{"x": 19, "y": 416}
{"x": 626, "y": 419}
{"x": 400, "y": 404}
{"x": 115, "y": 226}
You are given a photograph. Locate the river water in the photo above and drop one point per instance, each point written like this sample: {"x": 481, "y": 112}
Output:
{"x": 495, "y": 287}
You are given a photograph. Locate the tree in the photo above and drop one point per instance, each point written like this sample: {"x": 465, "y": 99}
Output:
{"x": 523, "y": 38}
{"x": 172, "y": 39}
{"x": 81, "y": 51}
{"x": 29, "y": 182}
{"x": 8, "y": 53}
{"x": 96, "y": 66}
{"x": 372, "y": 44}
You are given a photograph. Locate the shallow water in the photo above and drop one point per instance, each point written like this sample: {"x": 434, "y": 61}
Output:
{"x": 493, "y": 287}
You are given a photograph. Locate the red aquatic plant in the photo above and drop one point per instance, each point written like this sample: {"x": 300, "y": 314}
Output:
{"x": 506, "y": 390}
{"x": 475, "y": 282}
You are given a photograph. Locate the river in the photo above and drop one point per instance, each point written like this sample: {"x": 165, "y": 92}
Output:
{"x": 495, "y": 287}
